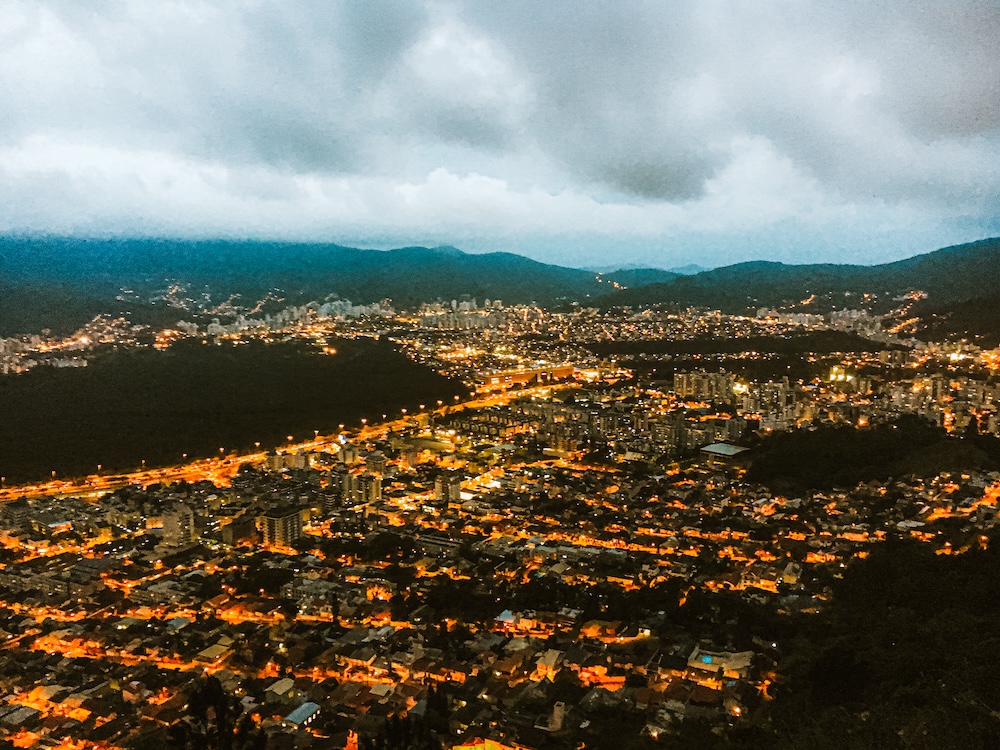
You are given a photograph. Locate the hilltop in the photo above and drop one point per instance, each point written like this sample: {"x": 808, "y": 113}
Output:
{"x": 950, "y": 275}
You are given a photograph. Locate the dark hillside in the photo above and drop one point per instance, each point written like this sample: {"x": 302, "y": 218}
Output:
{"x": 947, "y": 275}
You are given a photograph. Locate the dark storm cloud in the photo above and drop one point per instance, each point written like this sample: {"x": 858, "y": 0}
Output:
{"x": 528, "y": 122}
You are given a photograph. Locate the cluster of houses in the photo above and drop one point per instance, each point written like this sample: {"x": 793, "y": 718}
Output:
{"x": 482, "y": 595}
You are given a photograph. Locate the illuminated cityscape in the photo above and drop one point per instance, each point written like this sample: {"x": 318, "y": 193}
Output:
{"x": 534, "y": 565}
{"x": 449, "y": 375}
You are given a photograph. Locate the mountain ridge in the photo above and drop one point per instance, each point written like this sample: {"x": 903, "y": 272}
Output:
{"x": 948, "y": 275}
{"x": 60, "y": 282}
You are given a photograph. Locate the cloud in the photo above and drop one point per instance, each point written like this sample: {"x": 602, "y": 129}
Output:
{"x": 525, "y": 126}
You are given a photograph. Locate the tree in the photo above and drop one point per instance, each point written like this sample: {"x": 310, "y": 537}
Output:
{"x": 214, "y": 721}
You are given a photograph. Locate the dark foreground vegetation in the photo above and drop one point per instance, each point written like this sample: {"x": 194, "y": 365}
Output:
{"x": 904, "y": 656}
{"x": 135, "y": 405}
{"x": 831, "y": 457}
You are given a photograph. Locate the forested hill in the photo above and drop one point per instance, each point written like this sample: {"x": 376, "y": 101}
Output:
{"x": 950, "y": 275}
{"x": 58, "y": 282}
{"x": 404, "y": 274}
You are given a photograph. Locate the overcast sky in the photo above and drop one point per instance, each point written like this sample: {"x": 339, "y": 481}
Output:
{"x": 587, "y": 133}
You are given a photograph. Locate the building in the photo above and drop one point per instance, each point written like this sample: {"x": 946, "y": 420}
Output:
{"x": 274, "y": 461}
{"x": 296, "y": 461}
{"x": 281, "y": 526}
{"x": 364, "y": 488}
{"x": 722, "y": 454}
{"x": 376, "y": 462}
{"x": 448, "y": 487}
{"x": 281, "y": 461}
{"x": 508, "y": 379}
{"x": 178, "y": 525}
{"x": 303, "y": 715}
{"x": 706, "y": 386}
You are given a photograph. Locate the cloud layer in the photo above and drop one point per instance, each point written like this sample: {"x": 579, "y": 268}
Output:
{"x": 579, "y": 132}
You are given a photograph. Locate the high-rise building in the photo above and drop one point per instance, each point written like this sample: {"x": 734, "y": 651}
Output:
{"x": 296, "y": 461}
{"x": 448, "y": 487}
{"x": 376, "y": 462}
{"x": 281, "y": 526}
{"x": 709, "y": 386}
{"x": 370, "y": 488}
{"x": 363, "y": 488}
{"x": 178, "y": 525}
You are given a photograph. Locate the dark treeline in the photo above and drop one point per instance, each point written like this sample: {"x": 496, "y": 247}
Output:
{"x": 976, "y": 319}
{"x": 830, "y": 457}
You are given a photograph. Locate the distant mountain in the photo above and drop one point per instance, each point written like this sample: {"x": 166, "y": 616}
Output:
{"x": 953, "y": 274}
{"x": 250, "y": 266}
{"x": 60, "y": 283}
{"x": 632, "y": 277}
{"x": 689, "y": 270}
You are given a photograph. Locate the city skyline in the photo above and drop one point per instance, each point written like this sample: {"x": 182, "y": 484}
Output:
{"x": 649, "y": 135}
